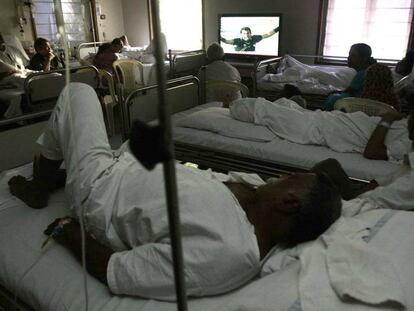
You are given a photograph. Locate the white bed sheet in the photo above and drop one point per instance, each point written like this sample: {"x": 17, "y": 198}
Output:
{"x": 51, "y": 279}
{"x": 310, "y": 79}
{"x": 284, "y": 152}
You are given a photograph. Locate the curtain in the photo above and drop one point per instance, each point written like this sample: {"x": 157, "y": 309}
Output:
{"x": 383, "y": 24}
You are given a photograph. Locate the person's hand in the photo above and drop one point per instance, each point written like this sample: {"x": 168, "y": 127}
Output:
{"x": 391, "y": 116}
{"x": 55, "y": 229}
{"x": 50, "y": 56}
{"x": 58, "y": 222}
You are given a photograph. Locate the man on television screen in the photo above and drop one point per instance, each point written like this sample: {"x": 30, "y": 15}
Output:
{"x": 247, "y": 41}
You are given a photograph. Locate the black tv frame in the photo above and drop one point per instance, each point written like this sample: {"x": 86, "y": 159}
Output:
{"x": 244, "y": 56}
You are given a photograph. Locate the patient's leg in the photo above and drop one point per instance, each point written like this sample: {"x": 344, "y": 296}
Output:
{"x": 76, "y": 134}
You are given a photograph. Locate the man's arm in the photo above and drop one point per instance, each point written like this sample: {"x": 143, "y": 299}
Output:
{"x": 97, "y": 255}
{"x": 270, "y": 33}
{"x": 228, "y": 41}
{"x": 375, "y": 148}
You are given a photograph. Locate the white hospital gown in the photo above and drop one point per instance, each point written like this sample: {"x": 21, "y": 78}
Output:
{"x": 341, "y": 132}
{"x": 125, "y": 209}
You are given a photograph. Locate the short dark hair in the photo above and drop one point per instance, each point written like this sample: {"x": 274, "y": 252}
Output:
{"x": 39, "y": 42}
{"x": 365, "y": 52}
{"x": 319, "y": 209}
{"x": 117, "y": 41}
{"x": 246, "y": 29}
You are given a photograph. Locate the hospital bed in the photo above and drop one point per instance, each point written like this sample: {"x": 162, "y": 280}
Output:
{"x": 269, "y": 157}
{"x": 18, "y": 134}
{"x": 314, "y": 81}
{"x": 51, "y": 279}
{"x": 86, "y": 52}
{"x": 186, "y": 63}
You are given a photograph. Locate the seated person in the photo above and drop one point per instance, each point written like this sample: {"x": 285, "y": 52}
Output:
{"x": 11, "y": 59}
{"x": 339, "y": 131}
{"x": 379, "y": 85}
{"x": 405, "y": 66}
{"x": 218, "y": 69}
{"x": 227, "y": 228}
{"x": 107, "y": 54}
{"x": 44, "y": 59}
{"x": 359, "y": 59}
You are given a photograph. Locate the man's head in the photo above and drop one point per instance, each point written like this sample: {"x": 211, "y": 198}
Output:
{"x": 299, "y": 207}
{"x": 360, "y": 56}
{"x": 246, "y": 33}
{"x": 215, "y": 52}
{"x": 42, "y": 46}
{"x": 117, "y": 45}
{"x": 405, "y": 65}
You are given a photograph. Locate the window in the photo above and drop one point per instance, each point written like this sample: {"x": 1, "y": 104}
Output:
{"x": 383, "y": 24}
{"x": 76, "y": 25}
{"x": 182, "y": 24}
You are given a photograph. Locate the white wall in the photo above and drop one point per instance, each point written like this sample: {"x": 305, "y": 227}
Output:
{"x": 113, "y": 25}
{"x": 9, "y": 21}
{"x": 136, "y": 21}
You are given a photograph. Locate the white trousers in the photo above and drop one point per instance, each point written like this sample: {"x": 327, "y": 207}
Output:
{"x": 76, "y": 133}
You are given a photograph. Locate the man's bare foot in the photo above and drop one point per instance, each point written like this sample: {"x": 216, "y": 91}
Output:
{"x": 32, "y": 192}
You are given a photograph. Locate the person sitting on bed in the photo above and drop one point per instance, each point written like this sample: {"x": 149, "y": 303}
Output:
{"x": 228, "y": 225}
{"x": 107, "y": 54}
{"x": 379, "y": 85}
{"x": 359, "y": 59}
{"x": 218, "y": 69}
{"x": 44, "y": 59}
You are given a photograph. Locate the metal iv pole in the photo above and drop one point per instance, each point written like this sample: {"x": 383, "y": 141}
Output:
{"x": 164, "y": 112}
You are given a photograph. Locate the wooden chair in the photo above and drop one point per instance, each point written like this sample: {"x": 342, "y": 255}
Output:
{"x": 368, "y": 106}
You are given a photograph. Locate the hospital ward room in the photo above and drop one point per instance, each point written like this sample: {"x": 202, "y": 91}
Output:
{"x": 206, "y": 155}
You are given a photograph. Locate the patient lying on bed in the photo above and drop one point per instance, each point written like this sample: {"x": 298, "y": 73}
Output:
{"x": 341, "y": 132}
{"x": 228, "y": 224}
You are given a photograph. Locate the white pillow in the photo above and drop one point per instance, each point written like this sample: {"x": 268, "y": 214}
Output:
{"x": 243, "y": 109}
{"x": 218, "y": 120}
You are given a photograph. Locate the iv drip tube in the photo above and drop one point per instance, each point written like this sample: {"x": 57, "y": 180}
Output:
{"x": 164, "y": 112}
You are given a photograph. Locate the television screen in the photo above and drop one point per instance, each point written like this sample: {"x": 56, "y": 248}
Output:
{"x": 257, "y": 34}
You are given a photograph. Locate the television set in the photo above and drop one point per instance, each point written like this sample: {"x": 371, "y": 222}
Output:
{"x": 250, "y": 34}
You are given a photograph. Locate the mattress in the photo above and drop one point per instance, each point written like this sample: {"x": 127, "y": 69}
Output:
{"x": 52, "y": 279}
{"x": 282, "y": 152}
